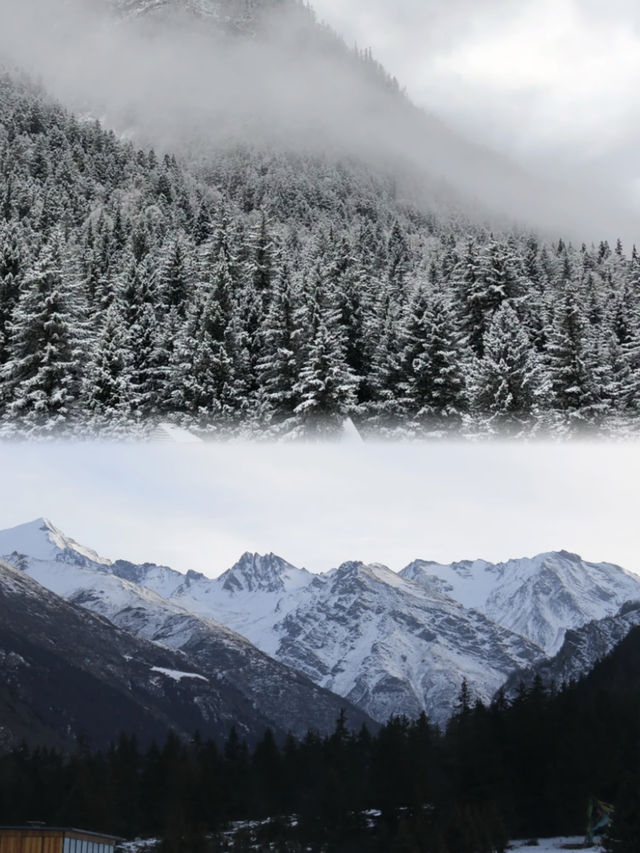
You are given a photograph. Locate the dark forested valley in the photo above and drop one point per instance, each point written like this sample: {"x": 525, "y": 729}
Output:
{"x": 274, "y": 292}
{"x": 513, "y": 769}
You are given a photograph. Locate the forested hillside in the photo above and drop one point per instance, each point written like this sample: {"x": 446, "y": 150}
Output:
{"x": 273, "y": 292}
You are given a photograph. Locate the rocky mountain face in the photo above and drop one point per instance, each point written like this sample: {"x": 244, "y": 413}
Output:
{"x": 581, "y": 650}
{"x": 280, "y": 697}
{"x": 217, "y": 9}
{"x": 389, "y": 643}
{"x": 539, "y": 598}
{"x": 385, "y": 643}
{"x": 70, "y": 674}
{"x": 392, "y": 647}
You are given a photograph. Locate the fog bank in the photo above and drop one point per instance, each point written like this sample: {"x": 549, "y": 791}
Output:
{"x": 178, "y": 84}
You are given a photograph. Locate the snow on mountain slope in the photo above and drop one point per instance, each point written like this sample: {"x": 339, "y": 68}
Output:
{"x": 220, "y": 12}
{"x": 42, "y": 541}
{"x": 582, "y": 648}
{"x": 249, "y": 598}
{"x": 390, "y": 646}
{"x": 289, "y": 700}
{"x": 365, "y": 633}
{"x": 540, "y": 597}
{"x": 67, "y": 672}
{"x": 390, "y": 643}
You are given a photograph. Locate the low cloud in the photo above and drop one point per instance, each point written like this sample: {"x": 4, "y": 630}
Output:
{"x": 551, "y": 83}
{"x": 178, "y": 86}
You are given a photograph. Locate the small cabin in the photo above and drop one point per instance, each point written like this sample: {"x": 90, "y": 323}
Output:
{"x": 53, "y": 839}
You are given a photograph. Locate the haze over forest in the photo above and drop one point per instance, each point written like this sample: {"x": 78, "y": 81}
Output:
{"x": 174, "y": 88}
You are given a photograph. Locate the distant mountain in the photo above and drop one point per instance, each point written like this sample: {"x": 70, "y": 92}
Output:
{"x": 539, "y": 598}
{"x": 391, "y": 647}
{"x": 250, "y": 597}
{"x": 68, "y": 674}
{"x": 240, "y": 16}
{"x": 217, "y": 9}
{"x": 284, "y": 698}
{"x": 581, "y": 650}
{"x": 389, "y": 643}
{"x": 361, "y": 631}
{"x": 384, "y": 643}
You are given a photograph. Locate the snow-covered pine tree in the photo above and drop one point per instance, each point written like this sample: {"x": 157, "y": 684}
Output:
{"x": 282, "y": 352}
{"x": 385, "y": 373}
{"x": 11, "y": 263}
{"x": 326, "y": 386}
{"x": 107, "y": 388}
{"x": 470, "y": 291}
{"x": 508, "y": 385}
{"x": 213, "y": 363}
{"x": 176, "y": 276}
{"x": 40, "y": 378}
{"x": 434, "y": 358}
{"x": 569, "y": 360}
{"x": 144, "y": 363}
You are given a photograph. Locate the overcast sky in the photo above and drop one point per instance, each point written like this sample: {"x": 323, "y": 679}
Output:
{"x": 554, "y": 82}
{"x": 200, "y": 508}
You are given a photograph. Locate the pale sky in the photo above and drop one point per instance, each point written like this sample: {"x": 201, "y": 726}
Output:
{"x": 317, "y": 506}
{"x": 552, "y": 82}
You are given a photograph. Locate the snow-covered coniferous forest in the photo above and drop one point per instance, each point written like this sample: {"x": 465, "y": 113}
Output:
{"x": 250, "y": 288}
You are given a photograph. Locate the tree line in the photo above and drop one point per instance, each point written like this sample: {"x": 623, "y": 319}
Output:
{"x": 518, "y": 768}
{"x": 271, "y": 292}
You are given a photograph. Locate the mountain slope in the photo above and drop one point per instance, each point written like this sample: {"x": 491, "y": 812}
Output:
{"x": 539, "y": 598}
{"x": 285, "y": 229}
{"x": 389, "y": 643}
{"x": 386, "y": 644}
{"x": 250, "y": 597}
{"x": 69, "y": 674}
{"x": 581, "y": 650}
{"x": 241, "y": 15}
{"x": 284, "y": 697}
{"x": 391, "y": 647}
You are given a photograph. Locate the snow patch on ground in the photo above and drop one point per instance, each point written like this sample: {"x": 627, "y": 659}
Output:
{"x": 551, "y": 845}
{"x": 176, "y": 675}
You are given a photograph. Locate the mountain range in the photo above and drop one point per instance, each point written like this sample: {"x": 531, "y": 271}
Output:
{"x": 241, "y": 685}
{"x": 386, "y": 643}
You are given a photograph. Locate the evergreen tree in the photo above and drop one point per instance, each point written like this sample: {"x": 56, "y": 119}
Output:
{"x": 40, "y": 377}
{"x": 176, "y": 278}
{"x": 508, "y": 385}
{"x": 432, "y": 361}
{"x": 326, "y": 386}
{"x": 107, "y": 389}
{"x": 568, "y": 357}
{"x": 282, "y": 353}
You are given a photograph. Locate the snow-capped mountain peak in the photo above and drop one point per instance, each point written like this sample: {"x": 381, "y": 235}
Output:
{"x": 539, "y": 597}
{"x": 268, "y": 573}
{"x": 41, "y": 540}
{"x": 390, "y": 643}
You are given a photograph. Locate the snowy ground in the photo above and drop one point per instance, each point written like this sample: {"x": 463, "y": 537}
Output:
{"x": 551, "y": 845}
